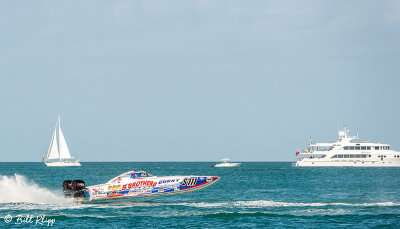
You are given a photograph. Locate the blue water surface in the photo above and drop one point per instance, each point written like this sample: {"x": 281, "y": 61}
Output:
{"x": 258, "y": 194}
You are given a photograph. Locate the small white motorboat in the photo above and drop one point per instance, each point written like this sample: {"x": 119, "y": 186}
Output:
{"x": 225, "y": 163}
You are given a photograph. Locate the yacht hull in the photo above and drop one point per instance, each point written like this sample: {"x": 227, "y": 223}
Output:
{"x": 392, "y": 162}
{"x": 62, "y": 164}
{"x": 227, "y": 165}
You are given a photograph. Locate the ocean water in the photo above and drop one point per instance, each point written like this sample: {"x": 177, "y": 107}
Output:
{"x": 254, "y": 195}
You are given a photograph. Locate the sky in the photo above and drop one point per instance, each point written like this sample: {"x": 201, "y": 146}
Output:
{"x": 196, "y": 80}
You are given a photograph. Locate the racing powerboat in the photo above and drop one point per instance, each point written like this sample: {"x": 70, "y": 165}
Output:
{"x": 133, "y": 184}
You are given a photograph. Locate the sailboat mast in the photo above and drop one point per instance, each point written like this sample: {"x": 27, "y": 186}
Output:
{"x": 51, "y": 143}
{"x": 59, "y": 127}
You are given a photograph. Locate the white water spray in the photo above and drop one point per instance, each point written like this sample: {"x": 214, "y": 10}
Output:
{"x": 18, "y": 189}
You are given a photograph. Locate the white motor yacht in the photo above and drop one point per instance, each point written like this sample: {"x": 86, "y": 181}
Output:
{"x": 349, "y": 151}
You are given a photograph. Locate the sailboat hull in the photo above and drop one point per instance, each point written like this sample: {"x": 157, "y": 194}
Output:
{"x": 62, "y": 163}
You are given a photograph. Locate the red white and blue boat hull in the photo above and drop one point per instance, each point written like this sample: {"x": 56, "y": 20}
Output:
{"x": 150, "y": 186}
{"x": 136, "y": 184}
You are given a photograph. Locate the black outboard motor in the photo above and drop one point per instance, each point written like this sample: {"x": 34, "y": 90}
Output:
{"x": 75, "y": 188}
{"x": 67, "y": 188}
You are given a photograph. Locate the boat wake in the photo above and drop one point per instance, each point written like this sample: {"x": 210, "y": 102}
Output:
{"x": 266, "y": 203}
{"x": 18, "y": 189}
{"x": 238, "y": 204}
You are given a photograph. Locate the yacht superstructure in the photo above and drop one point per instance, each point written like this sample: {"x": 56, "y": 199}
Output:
{"x": 349, "y": 151}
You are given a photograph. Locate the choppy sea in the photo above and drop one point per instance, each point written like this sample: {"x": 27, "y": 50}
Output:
{"x": 267, "y": 195}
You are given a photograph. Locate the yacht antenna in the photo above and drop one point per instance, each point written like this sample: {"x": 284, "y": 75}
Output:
{"x": 357, "y": 132}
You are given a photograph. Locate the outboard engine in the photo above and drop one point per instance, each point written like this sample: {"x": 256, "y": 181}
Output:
{"x": 75, "y": 188}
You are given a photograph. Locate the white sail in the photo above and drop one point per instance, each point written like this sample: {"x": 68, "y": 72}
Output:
{"x": 53, "y": 151}
{"x": 62, "y": 145}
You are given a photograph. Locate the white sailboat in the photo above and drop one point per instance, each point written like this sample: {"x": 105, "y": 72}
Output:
{"x": 58, "y": 154}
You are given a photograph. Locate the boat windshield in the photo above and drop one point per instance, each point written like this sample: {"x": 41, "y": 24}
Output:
{"x": 131, "y": 174}
{"x": 134, "y": 175}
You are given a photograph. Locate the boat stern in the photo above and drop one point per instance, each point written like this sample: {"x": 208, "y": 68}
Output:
{"x": 194, "y": 183}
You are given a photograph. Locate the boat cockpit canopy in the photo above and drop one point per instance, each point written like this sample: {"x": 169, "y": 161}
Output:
{"x": 134, "y": 175}
{"x": 131, "y": 174}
